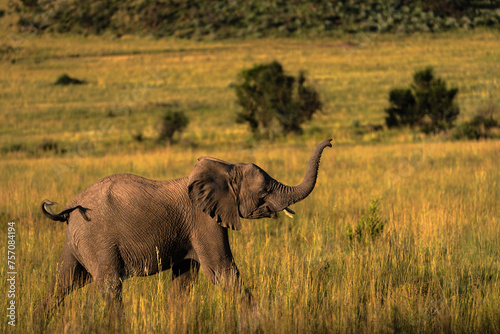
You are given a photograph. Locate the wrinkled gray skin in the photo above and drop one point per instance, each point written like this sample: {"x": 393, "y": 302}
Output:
{"x": 125, "y": 225}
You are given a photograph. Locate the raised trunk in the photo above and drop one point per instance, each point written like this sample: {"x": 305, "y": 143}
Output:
{"x": 286, "y": 195}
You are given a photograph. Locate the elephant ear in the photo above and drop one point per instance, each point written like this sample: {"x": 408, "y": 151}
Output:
{"x": 210, "y": 190}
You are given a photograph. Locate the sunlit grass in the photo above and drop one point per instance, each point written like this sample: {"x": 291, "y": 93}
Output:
{"x": 131, "y": 81}
{"x": 435, "y": 268}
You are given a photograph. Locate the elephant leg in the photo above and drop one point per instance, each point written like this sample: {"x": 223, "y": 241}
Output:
{"x": 111, "y": 289}
{"x": 183, "y": 276}
{"x": 70, "y": 275}
{"x": 217, "y": 262}
{"x": 225, "y": 274}
{"x": 109, "y": 282}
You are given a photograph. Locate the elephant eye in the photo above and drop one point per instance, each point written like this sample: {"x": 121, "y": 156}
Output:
{"x": 263, "y": 195}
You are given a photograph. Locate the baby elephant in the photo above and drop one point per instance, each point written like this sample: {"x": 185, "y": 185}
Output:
{"x": 125, "y": 225}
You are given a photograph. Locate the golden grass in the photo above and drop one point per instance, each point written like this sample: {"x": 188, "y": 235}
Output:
{"x": 435, "y": 268}
{"x": 130, "y": 80}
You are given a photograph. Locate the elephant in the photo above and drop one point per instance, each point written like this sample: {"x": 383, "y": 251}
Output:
{"x": 125, "y": 226}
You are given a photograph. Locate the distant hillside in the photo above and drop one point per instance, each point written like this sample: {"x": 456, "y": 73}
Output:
{"x": 232, "y": 19}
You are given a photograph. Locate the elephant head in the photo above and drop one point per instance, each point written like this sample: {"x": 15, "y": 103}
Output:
{"x": 227, "y": 191}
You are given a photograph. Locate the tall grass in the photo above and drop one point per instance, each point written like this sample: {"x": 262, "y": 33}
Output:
{"x": 435, "y": 267}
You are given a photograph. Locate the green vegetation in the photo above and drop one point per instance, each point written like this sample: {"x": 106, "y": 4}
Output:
{"x": 235, "y": 19}
{"x": 65, "y": 80}
{"x": 429, "y": 104}
{"x": 483, "y": 125}
{"x": 402, "y": 110}
{"x": 269, "y": 103}
{"x": 172, "y": 122}
{"x": 370, "y": 225}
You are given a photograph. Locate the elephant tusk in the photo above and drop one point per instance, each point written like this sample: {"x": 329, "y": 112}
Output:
{"x": 289, "y": 212}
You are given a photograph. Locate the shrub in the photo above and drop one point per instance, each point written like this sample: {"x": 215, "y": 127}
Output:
{"x": 270, "y": 104}
{"x": 30, "y": 3}
{"x": 13, "y": 147}
{"x": 49, "y": 145}
{"x": 428, "y": 104}
{"x": 65, "y": 80}
{"x": 370, "y": 225}
{"x": 468, "y": 130}
{"x": 482, "y": 125}
{"x": 172, "y": 122}
{"x": 434, "y": 101}
{"x": 138, "y": 137}
{"x": 403, "y": 108}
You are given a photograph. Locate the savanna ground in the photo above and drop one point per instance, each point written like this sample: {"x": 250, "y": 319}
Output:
{"x": 435, "y": 267}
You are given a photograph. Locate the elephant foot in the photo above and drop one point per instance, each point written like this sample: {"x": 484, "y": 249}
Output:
{"x": 250, "y": 318}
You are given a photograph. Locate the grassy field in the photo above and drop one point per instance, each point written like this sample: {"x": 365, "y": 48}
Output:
{"x": 132, "y": 81}
{"x": 435, "y": 267}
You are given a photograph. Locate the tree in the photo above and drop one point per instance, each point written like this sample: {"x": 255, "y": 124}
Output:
{"x": 434, "y": 101}
{"x": 403, "y": 108}
{"x": 427, "y": 104}
{"x": 172, "y": 122}
{"x": 270, "y": 106}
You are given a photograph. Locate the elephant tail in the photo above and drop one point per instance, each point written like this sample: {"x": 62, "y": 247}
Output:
{"x": 62, "y": 216}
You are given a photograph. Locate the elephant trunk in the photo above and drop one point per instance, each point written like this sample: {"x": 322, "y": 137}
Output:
{"x": 286, "y": 195}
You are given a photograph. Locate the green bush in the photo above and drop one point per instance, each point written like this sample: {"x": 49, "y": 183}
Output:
{"x": 434, "y": 101}
{"x": 65, "y": 80}
{"x": 273, "y": 102}
{"x": 370, "y": 225}
{"x": 468, "y": 130}
{"x": 30, "y": 3}
{"x": 49, "y": 145}
{"x": 482, "y": 126}
{"x": 172, "y": 122}
{"x": 403, "y": 108}
{"x": 427, "y": 104}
